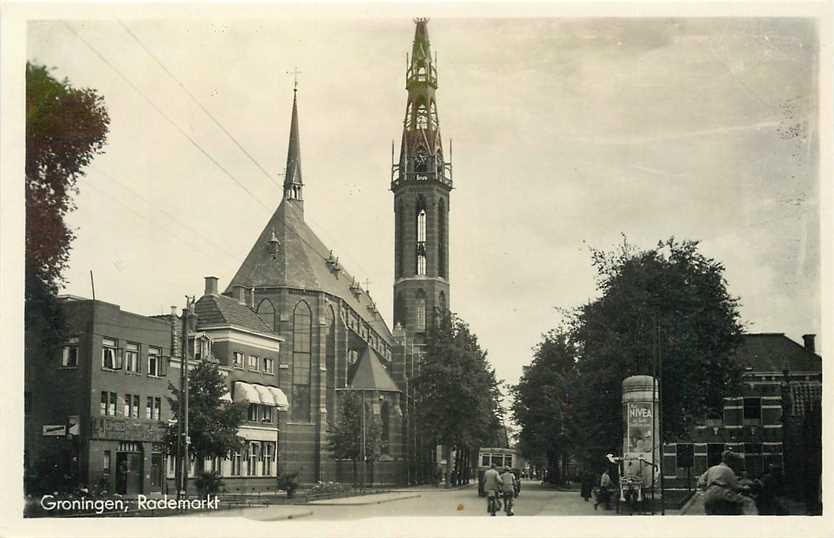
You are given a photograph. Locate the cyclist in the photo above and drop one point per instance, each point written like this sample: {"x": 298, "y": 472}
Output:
{"x": 508, "y": 489}
{"x": 492, "y": 485}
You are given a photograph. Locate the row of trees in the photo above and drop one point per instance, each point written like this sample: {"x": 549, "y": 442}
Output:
{"x": 457, "y": 396}
{"x": 670, "y": 301}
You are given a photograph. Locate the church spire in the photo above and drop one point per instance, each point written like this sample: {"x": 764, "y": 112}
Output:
{"x": 292, "y": 179}
{"x": 421, "y": 149}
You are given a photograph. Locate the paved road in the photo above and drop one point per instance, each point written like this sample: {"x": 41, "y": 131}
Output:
{"x": 533, "y": 501}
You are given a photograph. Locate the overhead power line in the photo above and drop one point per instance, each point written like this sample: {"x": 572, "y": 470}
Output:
{"x": 199, "y": 104}
{"x": 165, "y": 116}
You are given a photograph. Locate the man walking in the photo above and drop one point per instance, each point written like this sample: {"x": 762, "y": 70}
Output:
{"x": 721, "y": 496}
{"x": 492, "y": 485}
{"x": 508, "y": 487}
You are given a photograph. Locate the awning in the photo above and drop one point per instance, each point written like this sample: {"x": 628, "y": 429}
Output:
{"x": 244, "y": 392}
{"x": 265, "y": 395}
{"x": 281, "y": 401}
{"x": 260, "y": 394}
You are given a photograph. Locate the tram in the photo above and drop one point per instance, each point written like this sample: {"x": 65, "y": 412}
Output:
{"x": 501, "y": 458}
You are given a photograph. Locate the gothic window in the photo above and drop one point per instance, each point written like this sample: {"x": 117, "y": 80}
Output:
{"x": 420, "y": 307}
{"x": 399, "y": 238}
{"x": 302, "y": 331}
{"x": 421, "y": 236}
{"x": 385, "y": 417}
{"x": 441, "y": 239}
{"x": 266, "y": 311}
{"x": 442, "y": 303}
{"x": 329, "y": 352}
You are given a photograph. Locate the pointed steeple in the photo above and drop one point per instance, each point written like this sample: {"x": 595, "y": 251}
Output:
{"x": 292, "y": 180}
{"x": 421, "y": 149}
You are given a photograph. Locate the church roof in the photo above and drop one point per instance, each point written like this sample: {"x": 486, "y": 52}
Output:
{"x": 774, "y": 352}
{"x": 301, "y": 261}
{"x": 214, "y": 310}
{"x": 370, "y": 374}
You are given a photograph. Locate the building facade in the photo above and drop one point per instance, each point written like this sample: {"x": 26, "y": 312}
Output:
{"x": 96, "y": 407}
{"x": 781, "y": 387}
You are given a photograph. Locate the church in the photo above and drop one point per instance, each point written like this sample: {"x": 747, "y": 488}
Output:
{"x": 333, "y": 339}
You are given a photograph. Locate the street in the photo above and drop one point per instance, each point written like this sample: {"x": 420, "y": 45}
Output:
{"x": 534, "y": 500}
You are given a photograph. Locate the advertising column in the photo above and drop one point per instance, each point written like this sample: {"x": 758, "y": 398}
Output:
{"x": 641, "y": 447}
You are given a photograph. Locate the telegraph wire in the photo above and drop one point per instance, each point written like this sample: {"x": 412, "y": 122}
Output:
{"x": 187, "y": 136}
{"x": 199, "y": 104}
{"x": 165, "y": 116}
{"x": 214, "y": 244}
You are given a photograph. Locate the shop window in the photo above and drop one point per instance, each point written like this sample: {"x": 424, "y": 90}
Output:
{"x": 69, "y": 356}
{"x": 131, "y": 358}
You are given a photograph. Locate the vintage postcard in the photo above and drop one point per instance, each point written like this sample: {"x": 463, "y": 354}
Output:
{"x": 416, "y": 269}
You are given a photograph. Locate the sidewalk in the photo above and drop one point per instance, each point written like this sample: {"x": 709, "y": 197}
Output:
{"x": 275, "y": 512}
{"x": 425, "y": 487}
{"x": 374, "y": 498}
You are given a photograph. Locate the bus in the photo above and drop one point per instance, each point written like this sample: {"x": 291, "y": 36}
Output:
{"x": 501, "y": 458}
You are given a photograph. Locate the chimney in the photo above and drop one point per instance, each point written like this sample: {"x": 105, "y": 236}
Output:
{"x": 211, "y": 285}
{"x": 239, "y": 293}
{"x": 809, "y": 342}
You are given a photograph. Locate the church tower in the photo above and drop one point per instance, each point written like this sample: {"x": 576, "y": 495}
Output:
{"x": 292, "y": 179}
{"x": 421, "y": 182}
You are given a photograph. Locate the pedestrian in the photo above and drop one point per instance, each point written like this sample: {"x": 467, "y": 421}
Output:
{"x": 604, "y": 495}
{"x": 587, "y": 485}
{"x": 721, "y": 489}
{"x": 508, "y": 485}
{"x": 492, "y": 486}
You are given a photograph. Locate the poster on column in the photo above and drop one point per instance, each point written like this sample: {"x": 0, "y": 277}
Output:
{"x": 640, "y": 418}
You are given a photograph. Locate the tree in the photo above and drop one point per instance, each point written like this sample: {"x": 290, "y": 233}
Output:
{"x": 352, "y": 432}
{"x": 66, "y": 128}
{"x": 670, "y": 300}
{"x": 212, "y": 423}
{"x": 542, "y": 403}
{"x": 456, "y": 390}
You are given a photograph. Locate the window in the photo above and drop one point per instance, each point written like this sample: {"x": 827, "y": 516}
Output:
{"x": 235, "y": 471}
{"x": 157, "y": 407}
{"x": 131, "y": 358}
{"x": 421, "y": 312}
{"x": 109, "y": 355}
{"x": 421, "y": 225}
{"x": 301, "y": 374}
{"x": 752, "y": 410}
{"x": 108, "y": 403}
{"x": 485, "y": 460}
{"x": 149, "y": 408}
{"x": 269, "y": 450}
{"x": 266, "y": 413}
{"x": 254, "y": 455}
{"x": 134, "y": 412}
{"x": 253, "y": 362}
{"x": 69, "y": 358}
{"x": 253, "y": 412}
{"x": 106, "y": 463}
{"x": 268, "y": 365}
{"x": 128, "y": 404}
{"x": 238, "y": 360}
{"x": 155, "y": 367}
{"x": 508, "y": 461}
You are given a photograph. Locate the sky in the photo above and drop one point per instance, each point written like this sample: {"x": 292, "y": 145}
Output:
{"x": 568, "y": 134}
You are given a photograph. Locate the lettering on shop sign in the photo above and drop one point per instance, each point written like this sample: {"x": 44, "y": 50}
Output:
{"x": 109, "y": 428}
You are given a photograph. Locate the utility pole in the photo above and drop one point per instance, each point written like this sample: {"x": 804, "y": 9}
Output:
{"x": 183, "y": 441}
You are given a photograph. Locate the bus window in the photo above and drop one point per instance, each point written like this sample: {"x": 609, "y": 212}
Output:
{"x": 485, "y": 460}
{"x": 508, "y": 461}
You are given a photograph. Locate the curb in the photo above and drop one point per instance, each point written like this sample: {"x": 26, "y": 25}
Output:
{"x": 383, "y": 501}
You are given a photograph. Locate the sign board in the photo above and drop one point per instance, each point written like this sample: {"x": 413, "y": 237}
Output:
{"x": 54, "y": 430}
